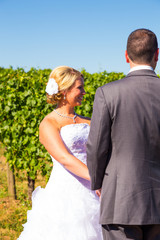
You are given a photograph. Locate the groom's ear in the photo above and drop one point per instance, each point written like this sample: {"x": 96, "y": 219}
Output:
{"x": 156, "y": 55}
{"x": 126, "y": 56}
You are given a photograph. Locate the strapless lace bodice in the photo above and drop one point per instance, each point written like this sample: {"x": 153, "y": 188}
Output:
{"x": 75, "y": 137}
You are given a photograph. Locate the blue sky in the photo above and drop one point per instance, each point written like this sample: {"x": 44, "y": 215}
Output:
{"x": 90, "y": 34}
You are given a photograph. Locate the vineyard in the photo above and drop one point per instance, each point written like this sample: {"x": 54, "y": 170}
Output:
{"x": 22, "y": 108}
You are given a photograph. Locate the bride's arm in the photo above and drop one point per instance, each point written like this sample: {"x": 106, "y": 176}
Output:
{"x": 50, "y": 137}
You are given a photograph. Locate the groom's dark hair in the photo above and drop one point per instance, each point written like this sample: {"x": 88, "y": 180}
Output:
{"x": 141, "y": 46}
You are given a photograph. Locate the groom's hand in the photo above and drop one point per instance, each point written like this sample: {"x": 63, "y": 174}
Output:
{"x": 98, "y": 192}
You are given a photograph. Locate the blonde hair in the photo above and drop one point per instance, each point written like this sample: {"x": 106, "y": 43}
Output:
{"x": 65, "y": 78}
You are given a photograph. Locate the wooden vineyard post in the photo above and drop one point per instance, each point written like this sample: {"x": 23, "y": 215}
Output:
{"x": 11, "y": 182}
{"x": 31, "y": 185}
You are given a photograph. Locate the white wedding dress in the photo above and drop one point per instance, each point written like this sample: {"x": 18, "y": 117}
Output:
{"x": 66, "y": 209}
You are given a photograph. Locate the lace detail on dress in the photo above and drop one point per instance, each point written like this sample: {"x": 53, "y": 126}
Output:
{"x": 75, "y": 138}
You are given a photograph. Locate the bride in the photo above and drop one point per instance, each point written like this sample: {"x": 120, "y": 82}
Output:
{"x": 66, "y": 209}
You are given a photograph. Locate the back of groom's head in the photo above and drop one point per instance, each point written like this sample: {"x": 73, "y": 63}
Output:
{"x": 141, "y": 46}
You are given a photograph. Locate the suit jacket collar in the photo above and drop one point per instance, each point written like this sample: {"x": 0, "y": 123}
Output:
{"x": 142, "y": 72}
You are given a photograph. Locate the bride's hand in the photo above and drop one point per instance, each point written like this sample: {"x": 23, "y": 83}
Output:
{"x": 98, "y": 192}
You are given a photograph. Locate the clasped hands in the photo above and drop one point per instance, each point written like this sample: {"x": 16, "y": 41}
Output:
{"x": 98, "y": 192}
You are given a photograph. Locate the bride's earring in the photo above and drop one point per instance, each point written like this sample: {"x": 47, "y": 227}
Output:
{"x": 64, "y": 97}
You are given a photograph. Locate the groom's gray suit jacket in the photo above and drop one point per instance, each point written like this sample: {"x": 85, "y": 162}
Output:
{"x": 123, "y": 149}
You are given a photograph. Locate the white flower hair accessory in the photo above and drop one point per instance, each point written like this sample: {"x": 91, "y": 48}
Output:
{"x": 52, "y": 87}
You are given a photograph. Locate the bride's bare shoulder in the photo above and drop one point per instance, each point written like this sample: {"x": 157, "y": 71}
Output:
{"x": 49, "y": 120}
{"x": 48, "y": 127}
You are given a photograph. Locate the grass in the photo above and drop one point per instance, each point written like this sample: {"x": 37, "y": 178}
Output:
{"x": 13, "y": 213}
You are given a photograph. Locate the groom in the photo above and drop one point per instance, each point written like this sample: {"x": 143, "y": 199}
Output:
{"x": 123, "y": 149}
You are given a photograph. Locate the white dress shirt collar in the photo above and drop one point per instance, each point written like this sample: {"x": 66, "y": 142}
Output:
{"x": 140, "y": 67}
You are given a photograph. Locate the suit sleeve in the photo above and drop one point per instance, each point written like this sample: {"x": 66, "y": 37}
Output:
{"x": 99, "y": 140}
